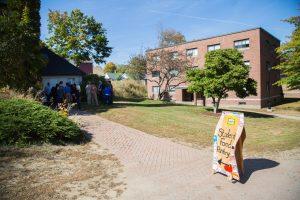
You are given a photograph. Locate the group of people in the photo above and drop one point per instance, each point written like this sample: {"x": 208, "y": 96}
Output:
{"x": 60, "y": 93}
{"x": 70, "y": 93}
{"x": 104, "y": 92}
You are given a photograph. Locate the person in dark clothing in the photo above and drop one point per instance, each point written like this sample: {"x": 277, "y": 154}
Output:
{"x": 47, "y": 91}
{"x": 60, "y": 92}
{"x": 111, "y": 92}
{"x": 53, "y": 95}
{"x": 108, "y": 93}
{"x": 73, "y": 93}
{"x": 100, "y": 90}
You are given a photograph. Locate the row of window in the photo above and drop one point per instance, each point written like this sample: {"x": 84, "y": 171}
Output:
{"x": 174, "y": 72}
{"x": 239, "y": 44}
{"x": 155, "y": 89}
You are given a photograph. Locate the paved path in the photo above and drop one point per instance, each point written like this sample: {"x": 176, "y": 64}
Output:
{"x": 156, "y": 168}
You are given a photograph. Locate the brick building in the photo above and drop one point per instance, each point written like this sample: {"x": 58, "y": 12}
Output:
{"x": 258, "y": 48}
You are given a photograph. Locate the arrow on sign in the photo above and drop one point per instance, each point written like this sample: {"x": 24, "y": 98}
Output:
{"x": 220, "y": 162}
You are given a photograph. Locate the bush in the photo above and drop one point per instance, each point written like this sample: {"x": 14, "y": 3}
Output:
{"x": 129, "y": 89}
{"x": 24, "y": 122}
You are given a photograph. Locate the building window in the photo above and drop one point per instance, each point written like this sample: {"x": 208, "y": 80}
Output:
{"x": 156, "y": 58}
{"x": 155, "y": 89}
{"x": 174, "y": 72}
{"x": 155, "y": 74}
{"x": 213, "y": 47}
{"x": 247, "y": 63}
{"x": 175, "y": 55}
{"x": 192, "y": 52}
{"x": 241, "y": 44}
{"x": 172, "y": 88}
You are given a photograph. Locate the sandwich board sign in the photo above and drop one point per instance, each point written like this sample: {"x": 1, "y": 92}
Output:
{"x": 228, "y": 145}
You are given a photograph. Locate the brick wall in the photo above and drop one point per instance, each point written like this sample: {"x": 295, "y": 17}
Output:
{"x": 257, "y": 54}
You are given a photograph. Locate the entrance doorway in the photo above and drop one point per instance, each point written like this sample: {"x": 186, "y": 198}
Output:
{"x": 187, "y": 96}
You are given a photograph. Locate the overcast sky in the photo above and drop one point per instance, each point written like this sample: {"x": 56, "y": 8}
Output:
{"x": 132, "y": 25}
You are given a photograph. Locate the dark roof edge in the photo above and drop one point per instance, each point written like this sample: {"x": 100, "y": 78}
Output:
{"x": 270, "y": 34}
{"x": 215, "y": 37}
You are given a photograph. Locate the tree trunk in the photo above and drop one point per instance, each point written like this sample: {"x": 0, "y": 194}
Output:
{"x": 216, "y": 104}
{"x": 195, "y": 98}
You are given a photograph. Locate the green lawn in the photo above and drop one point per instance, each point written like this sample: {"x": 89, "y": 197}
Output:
{"x": 289, "y": 106}
{"x": 195, "y": 125}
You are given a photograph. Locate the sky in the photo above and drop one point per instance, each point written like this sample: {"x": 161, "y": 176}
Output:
{"x": 133, "y": 25}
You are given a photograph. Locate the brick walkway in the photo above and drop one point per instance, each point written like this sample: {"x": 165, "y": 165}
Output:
{"x": 156, "y": 168}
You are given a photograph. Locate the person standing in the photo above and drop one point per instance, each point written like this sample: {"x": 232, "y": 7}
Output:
{"x": 47, "y": 91}
{"x": 100, "y": 88}
{"x": 54, "y": 96}
{"x": 107, "y": 94}
{"x": 60, "y": 92}
{"x": 94, "y": 95}
{"x": 88, "y": 93}
{"x": 68, "y": 92}
{"x": 111, "y": 92}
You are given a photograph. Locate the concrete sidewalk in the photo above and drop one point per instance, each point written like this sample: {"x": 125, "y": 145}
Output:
{"x": 157, "y": 168}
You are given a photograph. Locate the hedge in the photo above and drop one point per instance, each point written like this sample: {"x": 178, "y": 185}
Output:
{"x": 24, "y": 122}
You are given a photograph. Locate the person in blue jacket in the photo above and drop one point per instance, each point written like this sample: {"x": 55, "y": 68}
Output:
{"x": 108, "y": 93}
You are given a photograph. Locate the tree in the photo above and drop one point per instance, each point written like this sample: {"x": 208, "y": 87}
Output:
{"x": 170, "y": 37}
{"x": 121, "y": 68}
{"x": 21, "y": 61}
{"x": 110, "y": 67}
{"x": 77, "y": 37}
{"x": 289, "y": 53}
{"x": 165, "y": 69}
{"x": 137, "y": 66}
{"x": 224, "y": 71}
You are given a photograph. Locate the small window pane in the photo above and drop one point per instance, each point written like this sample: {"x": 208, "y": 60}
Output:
{"x": 155, "y": 74}
{"x": 175, "y": 55}
{"x": 241, "y": 44}
{"x": 192, "y": 52}
{"x": 247, "y": 62}
{"x": 155, "y": 89}
{"x": 172, "y": 88}
{"x": 213, "y": 47}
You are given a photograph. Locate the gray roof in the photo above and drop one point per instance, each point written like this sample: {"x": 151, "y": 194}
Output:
{"x": 58, "y": 66}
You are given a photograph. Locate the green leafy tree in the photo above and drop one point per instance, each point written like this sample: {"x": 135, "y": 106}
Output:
{"x": 110, "y": 67}
{"x": 137, "y": 66}
{"x": 289, "y": 53}
{"x": 170, "y": 37}
{"x": 122, "y": 69}
{"x": 21, "y": 62}
{"x": 224, "y": 71}
{"x": 77, "y": 37}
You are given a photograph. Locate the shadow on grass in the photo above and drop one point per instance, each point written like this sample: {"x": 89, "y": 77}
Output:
{"x": 252, "y": 165}
{"x": 120, "y": 104}
{"x": 287, "y": 100}
{"x": 246, "y": 113}
{"x": 157, "y": 104}
{"x": 130, "y": 99}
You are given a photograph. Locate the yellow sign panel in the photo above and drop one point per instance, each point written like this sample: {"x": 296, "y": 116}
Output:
{"x": 228, "y": 144}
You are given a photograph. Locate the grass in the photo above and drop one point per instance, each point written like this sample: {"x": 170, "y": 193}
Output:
{"x": 195, "y": 125}
{"x": 59, "y": 172}
{"x": 289, "y": 106}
